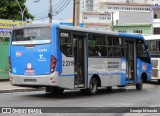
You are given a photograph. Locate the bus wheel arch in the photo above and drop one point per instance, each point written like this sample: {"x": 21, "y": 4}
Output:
{"x": 144, "y": 77}
{"x": 97, "y": 78}
{"x": 94, "y": 84}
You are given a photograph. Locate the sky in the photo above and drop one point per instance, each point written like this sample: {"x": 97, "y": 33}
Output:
{"x": 40, "y": 9}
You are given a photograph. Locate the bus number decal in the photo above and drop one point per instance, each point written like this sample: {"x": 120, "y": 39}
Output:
{"x": 68, "y": 63}
{"x": 42, "y": 50}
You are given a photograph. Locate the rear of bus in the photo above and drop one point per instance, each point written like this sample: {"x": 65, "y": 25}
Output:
{"x": 33, "y": 56}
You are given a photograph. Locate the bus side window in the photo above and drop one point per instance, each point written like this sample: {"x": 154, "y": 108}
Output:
{"x": 97, "y": 45}
{"x": 110, "y": 51}
{"x": 65, "y": 43}
{"x": 109, "y": 40}
{"x": 66, "y": 49}
{"x": 103, "y": 51}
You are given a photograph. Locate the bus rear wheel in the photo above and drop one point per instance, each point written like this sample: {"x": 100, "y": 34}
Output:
{"x": 93, "y": 86}
{"x": 139, "y": 85}
{"x": 54, "y": 90}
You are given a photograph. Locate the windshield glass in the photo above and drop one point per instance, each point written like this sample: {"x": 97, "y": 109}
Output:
{"x": 154, "y": 47}
{"x": 40, "y": 35}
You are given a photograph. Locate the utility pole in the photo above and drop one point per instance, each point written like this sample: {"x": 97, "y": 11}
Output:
{"x": 76, "y": 7}
{"x": 112, "y": 22}
{"x": 50, "y": 11}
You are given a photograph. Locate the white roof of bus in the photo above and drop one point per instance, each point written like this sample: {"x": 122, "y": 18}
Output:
{"x": 90, "y": 30}
{"x": 69, "y": 28}
{"x": 152, "y": 37}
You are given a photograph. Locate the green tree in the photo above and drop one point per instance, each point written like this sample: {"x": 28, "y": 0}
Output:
{"x": 9, "y": 9}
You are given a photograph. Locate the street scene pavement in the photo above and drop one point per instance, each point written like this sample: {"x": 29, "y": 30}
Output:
{"x": 11, "y": 96}
{"x": 6, "y": 87}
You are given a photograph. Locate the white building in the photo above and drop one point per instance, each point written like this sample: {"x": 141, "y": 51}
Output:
{"x": 87, "y": 5}
{"x": 132, "y": 17}
{"x": 114, "y": 7}
{"x": 96, "y": 20}
{"x": 153, "y": 2}
{"x": 103, "y": 16}
{"x": 146, "y": 10}
{"x": 91, "y": 5}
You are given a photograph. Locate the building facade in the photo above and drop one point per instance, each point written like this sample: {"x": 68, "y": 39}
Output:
{"x": 145, "y": 29}
{"x": 96, "y": 20}
{"x": 91, "y": 5}
{"x": 87, "y": 5}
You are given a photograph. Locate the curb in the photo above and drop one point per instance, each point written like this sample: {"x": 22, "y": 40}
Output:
{"x": 21, "y": 90}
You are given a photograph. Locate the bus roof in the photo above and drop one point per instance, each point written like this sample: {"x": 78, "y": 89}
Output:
{"x": 132, "y": 35}
{"x": 32, "y": 25}
{"x": 81, "y": 29}
{"x": 89, "y": 30}
{"x": 152, "y": 37}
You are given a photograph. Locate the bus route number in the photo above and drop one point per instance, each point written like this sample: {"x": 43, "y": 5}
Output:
{"x": 68, "y": 63}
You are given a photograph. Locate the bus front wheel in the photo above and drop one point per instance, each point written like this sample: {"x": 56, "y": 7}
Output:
{"x": 139, "y": 85}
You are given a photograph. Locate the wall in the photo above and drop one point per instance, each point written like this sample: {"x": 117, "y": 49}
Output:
{"x": 126, "y": 17}
{"x": 147, "y": 29}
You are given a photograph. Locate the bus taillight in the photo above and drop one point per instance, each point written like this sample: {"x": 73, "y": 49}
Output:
{"x": 9, "y": 62}
{"x": 53, "y": 64}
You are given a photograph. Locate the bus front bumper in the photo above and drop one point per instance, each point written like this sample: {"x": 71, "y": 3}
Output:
{"x": 35, "y": 80}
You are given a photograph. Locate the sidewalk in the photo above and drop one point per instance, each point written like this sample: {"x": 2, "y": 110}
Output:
{"x": 6, "y": 87}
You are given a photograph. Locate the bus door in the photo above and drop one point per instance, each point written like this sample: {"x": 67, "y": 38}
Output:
{"x": 130, "y": 53}
{"x": 79, "y": 62}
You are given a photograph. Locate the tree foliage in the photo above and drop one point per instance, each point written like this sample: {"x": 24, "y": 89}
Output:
{"x": 9, "y": 9}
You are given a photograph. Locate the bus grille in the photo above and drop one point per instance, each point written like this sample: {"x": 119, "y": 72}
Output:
{"x": 155, "y": 73}
{"x": 154, "y": 63}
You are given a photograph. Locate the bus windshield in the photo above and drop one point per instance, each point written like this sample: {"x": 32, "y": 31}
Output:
{"x": 31, "y": 36}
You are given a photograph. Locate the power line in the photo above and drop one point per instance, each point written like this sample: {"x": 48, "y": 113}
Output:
{"x": 57, "y": 4}
{"x": 62, "y": 8}
{"x": 64, "y": 5}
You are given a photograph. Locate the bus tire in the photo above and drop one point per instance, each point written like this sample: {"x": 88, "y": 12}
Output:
{"x": 158, "y": 80}
{"x": 93, "y": 86}
{"x": 54, "y": 90}
{"x": 139, "y": 85}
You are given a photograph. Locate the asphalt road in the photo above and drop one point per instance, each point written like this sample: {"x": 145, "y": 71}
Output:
{"x": 119, "y": 97}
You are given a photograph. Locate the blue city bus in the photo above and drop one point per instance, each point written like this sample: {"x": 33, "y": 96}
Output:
{"x": 65, "y": 57}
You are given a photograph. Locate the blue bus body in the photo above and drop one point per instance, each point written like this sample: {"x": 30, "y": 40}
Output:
{"x": 47, "y": 64}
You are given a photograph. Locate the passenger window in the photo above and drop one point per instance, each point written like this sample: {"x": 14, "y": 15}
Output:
{"x": 65, "y": 42}
{"x": 114, "y": 41}
{"x": 115, "y": 46}
{"x": 97, "y": 45}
